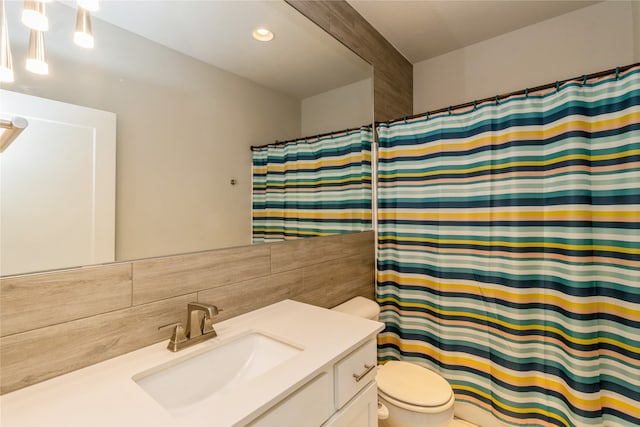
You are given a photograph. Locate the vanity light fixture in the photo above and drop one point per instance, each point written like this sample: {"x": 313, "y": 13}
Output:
{"x": 6, "y": 63}
{"x": 34, "y": 16}
{"x": 83, "y": 36}
{"x": 90, "y": 5}
{"x": 262, "y": 34}
{"x": 36, "y": 59}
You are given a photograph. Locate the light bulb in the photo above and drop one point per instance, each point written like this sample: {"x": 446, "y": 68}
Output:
{"x": 6, "y": 75}
{"x": 34, "y": 17}
{"x": 90, "y": 5}
{"x": 36, "y": 59}
{"x": 262, "y": 34}
{"x": 83, "y": 40}
{"x": 83, "y": 36}
{"x": 6, "y": 63}
{"x": 37, "y": 66}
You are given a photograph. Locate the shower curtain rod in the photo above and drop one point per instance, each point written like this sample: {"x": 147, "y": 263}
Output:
{"x": 320, "y": 135}
{"x": 585, "y": 77}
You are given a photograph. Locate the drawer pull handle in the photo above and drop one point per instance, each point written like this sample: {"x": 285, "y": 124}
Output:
{"x": 367, "y": 369}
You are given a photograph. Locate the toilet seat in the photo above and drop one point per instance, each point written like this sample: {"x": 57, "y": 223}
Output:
{"x": 413, "y": 387}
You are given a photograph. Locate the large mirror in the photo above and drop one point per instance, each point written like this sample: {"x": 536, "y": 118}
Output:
{"x": 191, "y": 91}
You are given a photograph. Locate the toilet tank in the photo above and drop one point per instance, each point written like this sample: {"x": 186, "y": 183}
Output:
{"x": 360, "y": 306}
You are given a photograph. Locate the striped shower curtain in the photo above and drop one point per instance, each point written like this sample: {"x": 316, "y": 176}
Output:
{"x": 312, "y": 188}
{"x": 509, "y": 253}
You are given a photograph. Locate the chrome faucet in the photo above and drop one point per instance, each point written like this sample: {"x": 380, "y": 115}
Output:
{"x": 199, "y": 326}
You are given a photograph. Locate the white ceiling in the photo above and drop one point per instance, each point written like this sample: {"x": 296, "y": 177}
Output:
{"x": 424, "y": 29}
{"x": 302, "y": 60}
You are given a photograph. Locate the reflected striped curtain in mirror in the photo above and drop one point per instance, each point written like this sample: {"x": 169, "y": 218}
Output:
{"x": 509, "y": 252}
{"x": 312, "y": 188}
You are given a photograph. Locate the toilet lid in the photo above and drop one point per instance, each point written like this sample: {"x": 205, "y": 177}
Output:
{"x": 413, "y": 384}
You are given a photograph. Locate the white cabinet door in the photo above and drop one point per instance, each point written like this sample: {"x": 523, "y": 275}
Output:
{"x": 57, "y": 186}
{"x": 308, "y": 406}
{"x": 361, "y": 411}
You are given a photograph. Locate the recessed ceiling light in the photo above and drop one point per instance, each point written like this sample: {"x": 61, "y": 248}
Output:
{"x": 262, "y": 34}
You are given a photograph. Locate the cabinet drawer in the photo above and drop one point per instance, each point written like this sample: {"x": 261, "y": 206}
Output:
{"x": 354, "y": 372}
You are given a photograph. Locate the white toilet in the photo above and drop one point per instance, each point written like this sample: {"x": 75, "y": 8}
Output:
{"x": 414, "y": 396}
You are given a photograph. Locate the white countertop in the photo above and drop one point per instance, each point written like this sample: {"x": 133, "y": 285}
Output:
{"x": 104, "y": 394}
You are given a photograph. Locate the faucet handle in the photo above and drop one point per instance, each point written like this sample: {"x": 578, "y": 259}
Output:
{"x": 208, "y": 309}
{"x": 207, "y": 327}
{"x": 177, "y": 337}
{"x": 199, "y": 321}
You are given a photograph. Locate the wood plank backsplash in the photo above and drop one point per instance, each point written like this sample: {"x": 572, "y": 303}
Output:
{"x": 60, "y": 321}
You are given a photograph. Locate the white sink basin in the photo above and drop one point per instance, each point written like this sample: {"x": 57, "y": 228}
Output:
{"x": 188, "y": 380}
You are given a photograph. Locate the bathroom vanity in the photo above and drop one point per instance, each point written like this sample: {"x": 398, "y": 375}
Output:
{"x": 288, "y": 364}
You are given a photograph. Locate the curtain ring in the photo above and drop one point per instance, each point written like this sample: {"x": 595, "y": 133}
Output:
{"x": 557, "y": 86}
{"x": 584, "y": 80}
{"x": 449, "y": 109}
{"x": 526, "y": 93}
{"x": 617, "y": 73}
{"x": 497, "y": 100}
{"x": 405, "y": 120}
{"x": 474, "y": 104}
{"x": 426, "y": 116}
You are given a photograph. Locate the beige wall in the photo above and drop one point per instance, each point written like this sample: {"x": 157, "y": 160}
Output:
{"x": 184, "y": 129}
{"x": 341, "y": 108}
{"x": 636, "y": 29}
{"x": 588, "y": 40}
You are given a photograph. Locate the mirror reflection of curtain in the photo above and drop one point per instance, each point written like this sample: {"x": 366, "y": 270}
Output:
{"x": 312, "y": 188}
{"x": 509, "y": 253}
